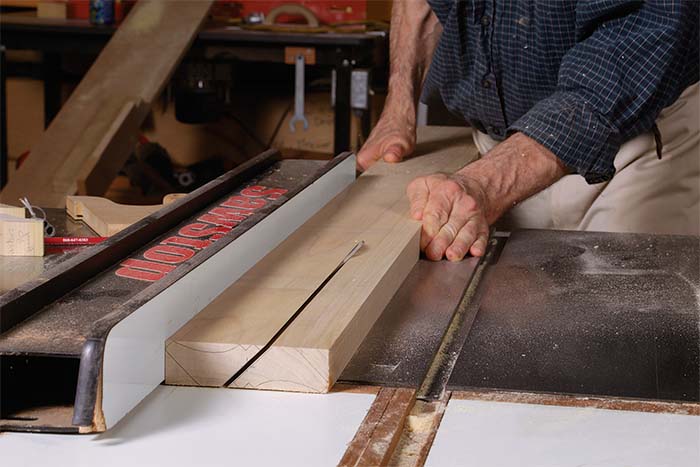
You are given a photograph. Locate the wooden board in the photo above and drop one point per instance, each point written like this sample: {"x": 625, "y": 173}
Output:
{"x": 310, "y": 354}
{"x": 106, "y": 217}
{"x": 95, "y": 131}
{"x": 21, "y": 237}
{"x": 13, "y": 211}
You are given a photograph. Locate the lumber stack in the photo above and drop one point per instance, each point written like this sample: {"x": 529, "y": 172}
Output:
{"x": 312, "y": 352}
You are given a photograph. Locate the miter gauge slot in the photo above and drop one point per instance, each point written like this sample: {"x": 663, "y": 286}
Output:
{"x": 355, "y": 249}
{"x": 435, "y": 382}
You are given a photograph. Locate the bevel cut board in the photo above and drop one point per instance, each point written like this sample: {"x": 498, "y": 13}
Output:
{"x": 311, "y": 353}
{"x": 106, "y": 217}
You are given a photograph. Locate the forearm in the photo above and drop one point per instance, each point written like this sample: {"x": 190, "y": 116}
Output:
{"x": 511, "y": 172}
{"x": 414, "y": 34}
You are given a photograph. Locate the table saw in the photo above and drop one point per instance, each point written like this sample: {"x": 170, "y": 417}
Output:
{"x": 555, "y": 348}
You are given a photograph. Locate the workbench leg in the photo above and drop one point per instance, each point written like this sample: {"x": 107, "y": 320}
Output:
{"x": 52, "y": 77}
{"x": 343, "y": 70}
{"x": 366, "y": 122}
{"x": 3, "y": 118}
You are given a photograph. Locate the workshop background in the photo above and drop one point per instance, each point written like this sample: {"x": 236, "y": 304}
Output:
{"x": 283, "y": 314}
{"x": 216, "y": 112}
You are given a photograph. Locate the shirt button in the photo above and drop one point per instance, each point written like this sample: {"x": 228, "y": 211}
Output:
{"x": 485, "y": 20}
{"x": 486, "y": 83}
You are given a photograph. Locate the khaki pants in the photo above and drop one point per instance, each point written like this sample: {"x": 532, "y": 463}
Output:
{"x": 646, "y": 195}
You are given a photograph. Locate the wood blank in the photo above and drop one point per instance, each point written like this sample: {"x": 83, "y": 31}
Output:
{"x": 312, "y": 352}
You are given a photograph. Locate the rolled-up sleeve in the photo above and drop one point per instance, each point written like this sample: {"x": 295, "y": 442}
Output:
{"x": 630, "y": 61}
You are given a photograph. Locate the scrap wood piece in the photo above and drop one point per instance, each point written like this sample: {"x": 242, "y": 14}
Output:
{"x": 95, "y": 131}
{"x": 106, "y": 217}
{"x": 21, "y": 237}
{"x": 380, "y": 432}
{"x": 312, "y": 352}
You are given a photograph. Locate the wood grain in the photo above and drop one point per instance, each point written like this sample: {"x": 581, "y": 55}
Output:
{"x": 21, "y": 237}
{"x": 95, "y": 131}
{"x": 310, "y": 354}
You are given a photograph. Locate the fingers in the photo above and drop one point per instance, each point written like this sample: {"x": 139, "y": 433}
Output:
{"x": 390, "y": 140}
{"x": 459, "y": 216}
{"x": 371, "y": 153}
{"x": 418, "y": 193}
{"x": 368, "y": 155}
{"x": 453, "y": 221}
{"x": 471, "y": 238}
{"x": 479, "y": 246}
{"x": 441, "y": 222}
{"x": 394, "y": 153}
{"x": 445, "y": 203}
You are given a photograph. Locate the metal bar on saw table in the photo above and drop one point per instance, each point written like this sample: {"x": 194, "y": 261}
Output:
{"x": 435, "y": 382}
{"x": 23, "y": 302}
{"x": 343, "y": 72}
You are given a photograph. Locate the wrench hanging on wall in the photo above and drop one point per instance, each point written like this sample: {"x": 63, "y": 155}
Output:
{"x": 299, "y": 57}
{"x": 298, "y": 95}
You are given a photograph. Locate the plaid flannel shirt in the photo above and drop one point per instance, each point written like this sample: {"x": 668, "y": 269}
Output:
{"x": 580, "y": 77}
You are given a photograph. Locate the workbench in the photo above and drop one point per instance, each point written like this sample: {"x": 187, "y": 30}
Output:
{"x": 342, "y": 52}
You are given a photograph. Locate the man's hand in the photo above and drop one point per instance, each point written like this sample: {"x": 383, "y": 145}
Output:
{"x": 414, "y": 34}
{"x": 393, "y": 138}
{"x": 453, "y": 211}
{"x": 457, "y": 209}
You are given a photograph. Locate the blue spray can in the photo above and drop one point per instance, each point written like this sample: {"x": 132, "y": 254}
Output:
{"x": 102, "y": 11}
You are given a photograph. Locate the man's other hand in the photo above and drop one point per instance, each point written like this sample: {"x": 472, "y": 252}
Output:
{"x": 457, "y": 210}
{"x": 453, "y": 210}
{"x": 392, "y": 139}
